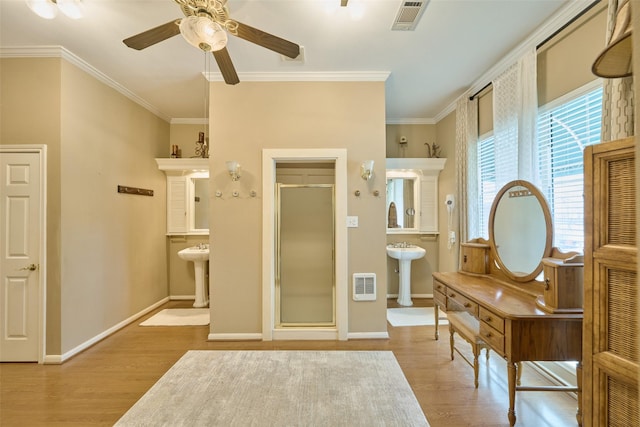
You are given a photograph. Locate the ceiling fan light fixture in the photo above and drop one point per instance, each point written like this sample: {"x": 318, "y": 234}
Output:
{"x": 46, "y": 9}
{"x": 203, "y": 33}
{"x": 71, "y": 8}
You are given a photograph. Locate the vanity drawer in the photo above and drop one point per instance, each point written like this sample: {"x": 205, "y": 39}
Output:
{"x": 439, "y": 287}
{"x": 492, "y": 337}
{"x": 492, "y": 319}
{"x": 455, "y": 299}
{"x": 440, "y": 299}
{"x": 440, "y": 294}
{"x": 475, "y": 257}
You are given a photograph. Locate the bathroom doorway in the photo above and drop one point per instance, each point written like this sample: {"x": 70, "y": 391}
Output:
{"x": 290, "y": 175}
{"x": 305, "y": 276}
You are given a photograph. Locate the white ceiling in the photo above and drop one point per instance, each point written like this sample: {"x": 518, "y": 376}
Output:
{"x": 455, "y": 43}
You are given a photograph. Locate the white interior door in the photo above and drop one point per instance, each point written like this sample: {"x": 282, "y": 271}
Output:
{"x": 20, "y": 237}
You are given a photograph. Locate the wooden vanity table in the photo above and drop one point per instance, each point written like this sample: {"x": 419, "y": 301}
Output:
{"x": 514, "y": 320}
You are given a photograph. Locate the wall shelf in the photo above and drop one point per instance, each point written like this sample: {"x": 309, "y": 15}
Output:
{"x": 416, "y": 163}
{"x": 182, "y": 166}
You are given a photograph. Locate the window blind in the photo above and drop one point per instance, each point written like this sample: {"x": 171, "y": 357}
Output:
{"x": 487, "y": 189}
{"x": 563, "y": 133}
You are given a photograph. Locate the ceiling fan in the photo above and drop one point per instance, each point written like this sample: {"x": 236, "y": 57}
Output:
{"x": 205, "y": 26}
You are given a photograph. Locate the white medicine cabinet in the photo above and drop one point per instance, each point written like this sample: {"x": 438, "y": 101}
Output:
{"x": 187, "y": 195}
{"x": 412, "y": 195}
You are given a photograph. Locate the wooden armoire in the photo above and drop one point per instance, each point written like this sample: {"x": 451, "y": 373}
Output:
{"x": 611, "y": 337}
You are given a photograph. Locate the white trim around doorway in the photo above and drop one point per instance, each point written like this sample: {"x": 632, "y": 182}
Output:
{"x": 269, "y": 159}
{"x": 41, "y": 150}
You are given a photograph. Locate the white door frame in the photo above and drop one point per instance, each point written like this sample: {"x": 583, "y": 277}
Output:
{"x": 41, "y": 150}
{"x": 269, "y": 159}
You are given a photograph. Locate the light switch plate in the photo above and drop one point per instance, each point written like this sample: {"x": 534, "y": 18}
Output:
{"x": 352, "y": 221}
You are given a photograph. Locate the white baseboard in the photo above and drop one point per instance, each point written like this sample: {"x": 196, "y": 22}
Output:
{"x": 299, "y": 335}
{"x": 302, "y": 334}
{"x": 234, "y": 337}
{"x": 390, "y": 296}
{"x": 58, "y": 359}
{"x": 368, "y": 335}
{"x": 52, "y": 359}
{"x": 182, "y": 297}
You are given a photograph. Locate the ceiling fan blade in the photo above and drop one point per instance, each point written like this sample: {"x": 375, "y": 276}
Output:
{"x": 226, "y": 66}
{"x": 154, "y": 35}
{"x": 267, "y": 40}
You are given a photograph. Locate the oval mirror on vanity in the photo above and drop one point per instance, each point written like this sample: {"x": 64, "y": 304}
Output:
{"x": 520, "y": 230}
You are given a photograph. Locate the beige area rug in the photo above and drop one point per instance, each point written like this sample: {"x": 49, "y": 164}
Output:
{"x": 280, "y": 388}
{"x": 179, "y": 317}
{"x": 415, "y": 316}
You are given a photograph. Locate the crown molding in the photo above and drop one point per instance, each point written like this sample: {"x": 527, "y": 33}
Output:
{"x": 61, "y": 52}
{"x": 190, "y": 121}
{"x": 409, "y": 121}
{"x": 312, "y": 76}
{"x": 542, "y": 33}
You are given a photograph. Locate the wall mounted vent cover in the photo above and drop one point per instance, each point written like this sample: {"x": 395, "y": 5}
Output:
{"x": 409, "y": 15}
{"x": 364, "y": 287}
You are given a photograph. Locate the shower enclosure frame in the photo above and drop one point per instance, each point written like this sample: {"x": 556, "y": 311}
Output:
{"x": 270, "y": 158}
{"x": 279, "y": 321}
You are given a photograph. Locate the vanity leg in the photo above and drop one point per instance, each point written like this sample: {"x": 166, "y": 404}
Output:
{"x": 476, "y": 366}
{"x": 451, "y": 340}
{"x": 512, "y": 371}
{"x": 519, "y": 375}
{"x": 436, "y": 314}
{"x": 579, "y": 384}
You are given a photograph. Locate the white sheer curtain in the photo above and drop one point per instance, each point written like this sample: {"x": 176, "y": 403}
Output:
{"x": 515, "y": 105}
{"x": 617, "y": 94}
{"x": 466, "y": 167}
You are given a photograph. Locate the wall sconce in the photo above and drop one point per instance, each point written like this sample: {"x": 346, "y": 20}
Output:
{"x": 366, "y": 169}
{"x": 234, "y": 170}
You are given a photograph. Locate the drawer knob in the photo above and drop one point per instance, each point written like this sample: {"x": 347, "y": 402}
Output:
{"x": 464, "y": 258}
{"x": 487, "y": 319}
{"x": 467, "y": 305}
{"x": 488, "y": 335}
{"x": 452, "y": 295}
{"x": 546, "y": 284}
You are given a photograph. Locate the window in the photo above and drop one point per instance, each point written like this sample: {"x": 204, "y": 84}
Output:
{"x": 565, "y": 128}
{"x": 563, "y": 133}
{"x": 487, "y": 187}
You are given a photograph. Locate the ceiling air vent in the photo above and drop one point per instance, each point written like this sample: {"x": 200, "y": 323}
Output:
{"x": 408, "y": 15}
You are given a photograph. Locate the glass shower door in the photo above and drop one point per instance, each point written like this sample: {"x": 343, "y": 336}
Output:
{"x": 305, "y": 285}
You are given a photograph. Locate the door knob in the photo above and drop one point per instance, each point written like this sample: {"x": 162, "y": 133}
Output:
{"x": 30, "y": 267}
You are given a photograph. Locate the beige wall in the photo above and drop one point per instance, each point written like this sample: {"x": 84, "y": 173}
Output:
{"x": 30, "y": 114}
{"x": 564, "y": 63}
{"x": 446, "y": 134}
{"x": 250, "y": 117}
{"x": 185, "y": 137}
{"x": 417, "y": 136}
{"x": 106, "y": 253}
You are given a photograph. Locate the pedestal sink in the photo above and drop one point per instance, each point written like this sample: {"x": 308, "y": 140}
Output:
{"x": 405, "y": 253}
{"x": 199, "y": 255}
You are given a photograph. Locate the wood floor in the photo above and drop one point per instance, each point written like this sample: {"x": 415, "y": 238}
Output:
{"x": 98, "y": 386}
